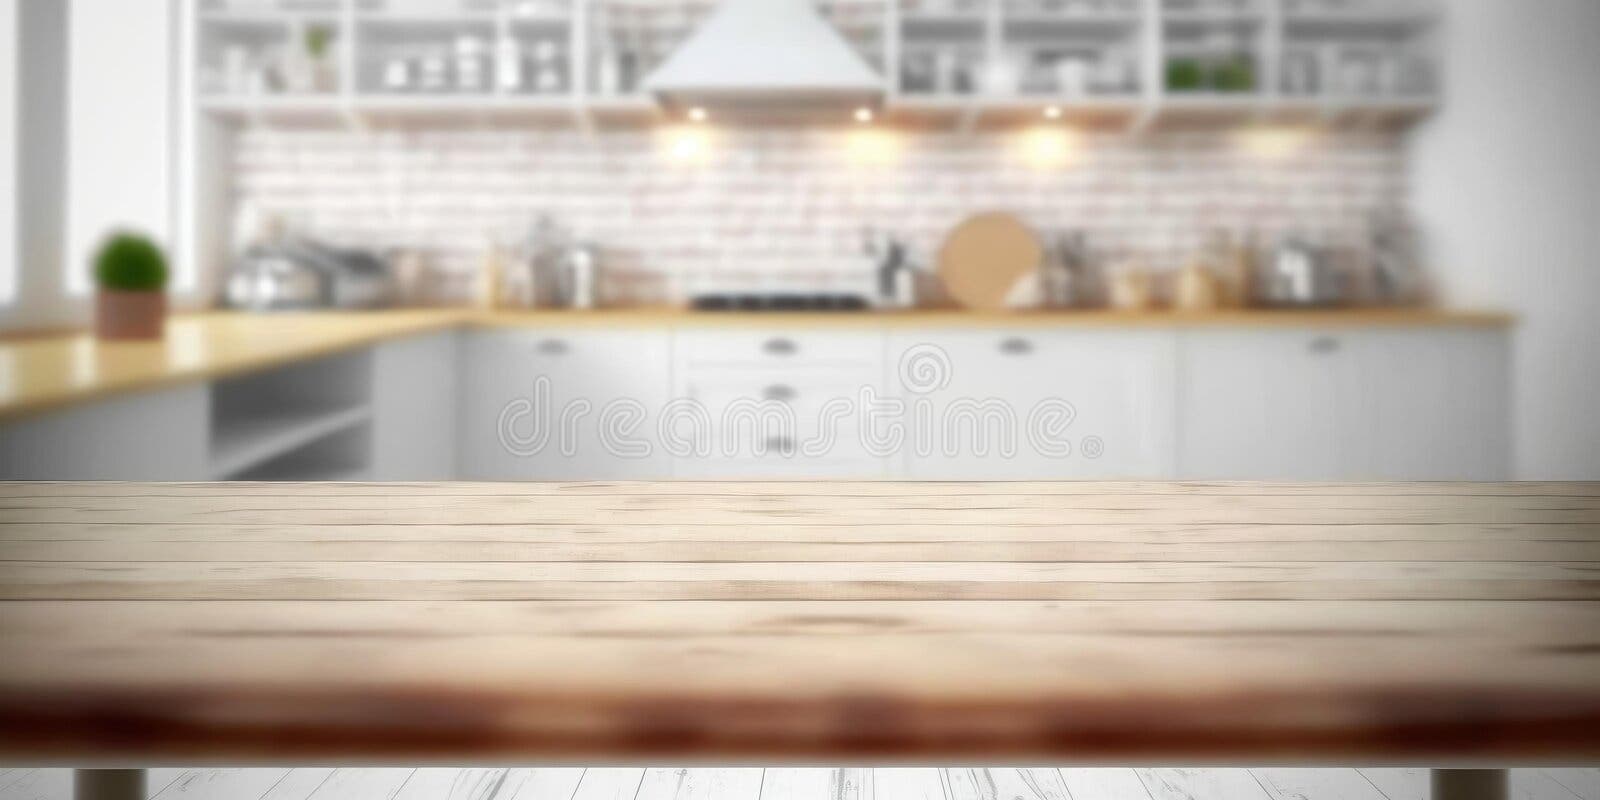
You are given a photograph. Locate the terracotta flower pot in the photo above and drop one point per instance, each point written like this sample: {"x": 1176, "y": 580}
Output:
{"x": 129, "y": 315}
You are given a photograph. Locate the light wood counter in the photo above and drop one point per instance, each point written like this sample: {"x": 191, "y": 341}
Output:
{"x": 1125, "y": 622}
{"x": 50, "y": 372}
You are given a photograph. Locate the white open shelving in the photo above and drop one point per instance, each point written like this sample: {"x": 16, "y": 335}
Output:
{"x": 1102, "y": 62}
{"x": 311, "y": 419}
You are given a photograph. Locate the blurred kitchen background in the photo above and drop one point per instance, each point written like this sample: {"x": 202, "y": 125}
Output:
{"x": 1269, "y": 239}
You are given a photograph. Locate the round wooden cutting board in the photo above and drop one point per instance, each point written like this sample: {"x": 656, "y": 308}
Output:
{"x": 985, "y": 257}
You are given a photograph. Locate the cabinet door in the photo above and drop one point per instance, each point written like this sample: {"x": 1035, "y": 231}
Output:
{"x": 1273, "y": 405}
{"x": 147, "y": 436}
{"x": 1418, "y": 404}
{"x": 1442, "y": 405}
{"x": 1035, "y": 405}
{"x": 414, "y": 390}
{"x": 535, "y": 403}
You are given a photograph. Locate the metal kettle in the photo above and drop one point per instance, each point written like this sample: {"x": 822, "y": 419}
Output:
{"x": 1299, "y": 274}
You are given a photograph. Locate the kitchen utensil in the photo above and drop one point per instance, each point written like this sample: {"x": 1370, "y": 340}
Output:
{"x": 267, "y": 279}
{"x": 1132, "y": 287}
{"x": 896, "y": 284}
{"x": 578, "y": 276}
{"x": 1196, "y": 288}
{"x": 1298, "y": 273}
{"x": 1070, "y": 279}
{"x": 985, "y": 256}
{"x": 1397, "y": 274}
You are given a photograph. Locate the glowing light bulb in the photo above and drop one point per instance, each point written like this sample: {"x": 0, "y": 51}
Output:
{"x": 863, "y": 115}
{"x": 697, "y": 114}
{"x": 1052, "y": 112}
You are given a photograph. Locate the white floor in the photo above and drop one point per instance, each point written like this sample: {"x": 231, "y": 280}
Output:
{"x": 799, "y": 784}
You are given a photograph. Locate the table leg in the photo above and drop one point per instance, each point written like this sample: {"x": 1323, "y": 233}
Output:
{"x": 108, "y": 784}
{"x": 1469, "y": 784}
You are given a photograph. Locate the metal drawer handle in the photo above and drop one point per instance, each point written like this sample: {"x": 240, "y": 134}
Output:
{"x": 1323, "y": 345}
{"x": 779, "y": 392}
{"x": 781, "y": 347}
{"x": 1016, "y": 347}
{"x": 553, "y": 347}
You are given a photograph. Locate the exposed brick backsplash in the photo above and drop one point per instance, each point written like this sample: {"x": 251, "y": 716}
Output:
{"x": 754, "y": 209}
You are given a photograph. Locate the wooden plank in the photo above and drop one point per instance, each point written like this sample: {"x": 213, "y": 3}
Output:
{"x": 608, "y": 783}
{"x": 299, "y": 784}
{"x": 907, "y": 783}
{"x": 1028, "y": 784}
{"x": 741, "y": 783}
{"x": 108, "y": 543}
{"x": 363, "y": 784}
{"x": 1320, "y": 784}
{"x": 1201, "y": 784}
{"x": 1398, "y": 783}
{"x": 807, "y": 533}
{"x": 202, "y": 784}
{"x": 796, "y": 783}
{"x": 558, "y": 783}
{"x": 785, "y": 509}
{"x": 1581, "y": 781}
{"x": 819, "y": 488}
{"x": 1239, "y": 580}
{"x": 1104, "y": 784}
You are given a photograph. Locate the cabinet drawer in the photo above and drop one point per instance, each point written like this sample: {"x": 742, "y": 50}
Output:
{"x": 777, "y": 347}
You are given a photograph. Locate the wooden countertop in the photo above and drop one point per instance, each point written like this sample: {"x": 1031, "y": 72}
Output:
{"x": 48, "y": 372}
{"x": 1130, "y": 622}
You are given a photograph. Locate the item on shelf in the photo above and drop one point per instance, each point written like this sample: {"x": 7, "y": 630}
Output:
{"x": 321, "y": 58}
{"x": 1185, "y": 74}
{"x": 396, "y": 75}
{"x": 895, "y": 278}
{"x": 1071, "y": 279}
{"x": 491, "y": 275}
{"x": 1115, "y": 72}
{"x": 548, "y": 75}
{"x": 1298, "y": 273}
{"x": 1235, "y": 73}
{"x": 985, "y": 256}
{"x": 508, "y": 65}
{"x": 1300, "y": 73}
{"x": 1132, "y": 287}
{"x": 919, "y": 73}
{"x": 130, "y": 275}
{"x": 1072, "y": 76}
{"x": 1196, "y": 288}
{"x": 608, "y": 74}
{"x": 578, "y": 276}
{"x": 434, "y": 72}
{"x": 1395, "y": 253}
{"x": 469, "y": 66}
{"x": 1231, "y": 259}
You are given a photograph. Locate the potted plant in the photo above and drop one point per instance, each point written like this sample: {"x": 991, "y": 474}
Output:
{"x": 131, "y": 274}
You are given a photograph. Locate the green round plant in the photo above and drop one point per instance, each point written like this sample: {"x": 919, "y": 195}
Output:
{"x": 129, "y": 262}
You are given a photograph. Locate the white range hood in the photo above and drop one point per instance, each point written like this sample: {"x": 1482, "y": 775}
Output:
{"x": 766, "y": 58}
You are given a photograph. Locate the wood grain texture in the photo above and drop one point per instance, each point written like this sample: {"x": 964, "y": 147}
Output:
{"x": 1137, "y": 622}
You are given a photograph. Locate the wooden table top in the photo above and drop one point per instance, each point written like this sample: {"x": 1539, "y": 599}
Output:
{"x": 1114, "y": 622}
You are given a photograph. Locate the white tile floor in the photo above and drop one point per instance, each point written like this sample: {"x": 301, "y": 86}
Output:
{"x": 798, "y": 784}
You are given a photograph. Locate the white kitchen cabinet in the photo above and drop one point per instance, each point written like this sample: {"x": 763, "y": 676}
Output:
{"x": 147, "y": 436}
{"x": 414, "y": 415}
{"x": 1028, "y": 404}
{"x": 534, "y": 403}
{"x": 777, "y": 404}
{"x": 1343, "y": 405}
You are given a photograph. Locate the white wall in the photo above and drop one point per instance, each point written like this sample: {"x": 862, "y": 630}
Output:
{"x": 120, "y": 154}
{"x": 8, "y": 152}
{"x": 1507, "y": 182}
